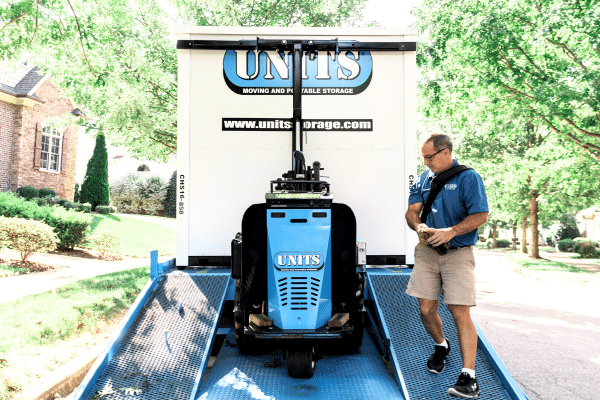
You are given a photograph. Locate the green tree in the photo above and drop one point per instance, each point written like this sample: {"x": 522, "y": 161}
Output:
{"x": 567, "y": 228}
{"x": 116, "y": 57}
{"x": 95, "y": 189}
{"x": 539, "y": 60}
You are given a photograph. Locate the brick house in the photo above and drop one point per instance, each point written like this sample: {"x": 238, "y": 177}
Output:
{"x": 32, "y": 152}
{"x": 589, "y": 223}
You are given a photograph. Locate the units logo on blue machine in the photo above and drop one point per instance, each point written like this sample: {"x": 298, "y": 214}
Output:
{"x": 298, "y": 261}
{"x": 324, "y": 72}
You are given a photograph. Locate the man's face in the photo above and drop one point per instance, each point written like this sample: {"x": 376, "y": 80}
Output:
{"x": 436, "y": 161}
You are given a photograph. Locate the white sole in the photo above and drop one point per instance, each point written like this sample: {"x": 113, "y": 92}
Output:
{"x": 456, "y": 393}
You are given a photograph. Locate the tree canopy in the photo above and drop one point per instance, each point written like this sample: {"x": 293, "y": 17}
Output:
{"x": 536, "y": 59}
{"x": 117, "y": 58}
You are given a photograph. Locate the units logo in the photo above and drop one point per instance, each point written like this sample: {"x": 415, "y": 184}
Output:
{"x": 294, "y": 261}
{"x": 270, "y": 72}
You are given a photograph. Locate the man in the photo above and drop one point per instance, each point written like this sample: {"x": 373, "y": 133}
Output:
{"x": 456, "y": 213}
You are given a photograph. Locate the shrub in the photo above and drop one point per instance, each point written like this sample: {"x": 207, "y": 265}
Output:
{"x": 592, "y": 241}
{"x": 44, "y": 192}
{"x": 565, "y": 244}
{"x": 12, "y": 206}
{"x": 85, "y": 207}
{"x": 503, "y": 243}
{"x": 28, "y": 192}
{"x": 69, "y": 205}
{"x": 71, "y": 226}
{"x": 171, "y": 197}
{"x": 28, "y": 236}
{"x": 579, "y": 242}
{"x": 587, "y": 250}
{"x": 106, "y": 209}
{"x": 103, "y": 242}
{"x": 500, "y": 243}
{"x": 136, "y": 195}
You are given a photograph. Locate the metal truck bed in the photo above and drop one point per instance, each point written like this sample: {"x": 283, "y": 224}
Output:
{"x": 162, "y": 350}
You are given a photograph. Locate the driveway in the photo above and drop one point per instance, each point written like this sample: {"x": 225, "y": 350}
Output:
{"x": 546, "y": 331}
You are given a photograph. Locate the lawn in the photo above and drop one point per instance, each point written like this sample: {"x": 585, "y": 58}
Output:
{"x": 7, "y": 270}
{"x": 543, "y": 264}
{"x": 38, "y": 333}
{"x": 137, "y": 238}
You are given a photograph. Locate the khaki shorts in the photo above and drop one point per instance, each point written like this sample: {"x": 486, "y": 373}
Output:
{"x": 454, "y": 273}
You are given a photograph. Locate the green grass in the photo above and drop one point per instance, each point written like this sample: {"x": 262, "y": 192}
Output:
{"x": 43, "y": 328}
{"x": 137, "y": 238}
{"x": 543, "y": 265}
{"x": 577, "y": 256}
{"x": 43, "y": 318}
{"x": 7, "y": 270}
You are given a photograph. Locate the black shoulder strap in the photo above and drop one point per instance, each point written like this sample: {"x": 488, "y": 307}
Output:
{"x": 436, "y": 187}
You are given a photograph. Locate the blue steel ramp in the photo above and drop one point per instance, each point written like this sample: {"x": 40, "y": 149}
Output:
{"x": 410, "y": 346}
{"x": 361, "y": 376}
{"x": 165, "y": 351}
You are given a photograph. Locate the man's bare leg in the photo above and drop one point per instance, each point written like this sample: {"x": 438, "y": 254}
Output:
{"x": 467, "y": 334}
{"x": 431, "y": 319}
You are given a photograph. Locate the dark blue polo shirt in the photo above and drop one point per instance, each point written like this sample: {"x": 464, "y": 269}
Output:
{"x": 462, "y": 195}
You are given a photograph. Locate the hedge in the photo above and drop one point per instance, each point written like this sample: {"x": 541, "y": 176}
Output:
{"x": 70, "y": 226}
{"x": 28, "y": 192}
{"x": 137, "y": 195}
{"x": 47, "y": 193}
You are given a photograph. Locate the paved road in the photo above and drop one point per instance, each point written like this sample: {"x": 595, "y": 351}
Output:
{"x": 547, "y": 332}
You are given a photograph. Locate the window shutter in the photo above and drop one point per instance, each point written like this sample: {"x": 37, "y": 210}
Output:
{"x": 37, "y": 155}
{"x": 63, "y": 156}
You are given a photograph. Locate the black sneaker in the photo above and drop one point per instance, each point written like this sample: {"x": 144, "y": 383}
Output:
{"x": 465, "y": 387}
{"x": 437, "y": 361}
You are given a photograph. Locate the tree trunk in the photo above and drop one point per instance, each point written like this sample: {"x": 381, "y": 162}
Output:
{"x": 533, "y": 225}
{"x": 514, "y": 237}
{"x": 494, "y": 233}
{"x": 524, "y": 234}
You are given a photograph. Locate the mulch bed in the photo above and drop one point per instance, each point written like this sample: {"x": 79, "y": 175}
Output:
{"x": 31, "y": 266}
{"x": 91, "y": 254}
{"x": 36, "y": 267}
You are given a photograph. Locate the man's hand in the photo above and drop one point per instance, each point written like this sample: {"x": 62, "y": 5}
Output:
{"x": 438, "y": 237}
{"x": 424, "y": 234}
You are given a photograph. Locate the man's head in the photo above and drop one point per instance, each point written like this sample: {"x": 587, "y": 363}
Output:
{"x": 437, "y": 152}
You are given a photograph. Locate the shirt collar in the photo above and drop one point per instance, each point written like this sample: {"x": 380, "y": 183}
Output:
{"x": 431, "y": 175}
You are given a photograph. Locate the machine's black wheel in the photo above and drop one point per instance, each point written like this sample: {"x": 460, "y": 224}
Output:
{"x": 301, "y": 361}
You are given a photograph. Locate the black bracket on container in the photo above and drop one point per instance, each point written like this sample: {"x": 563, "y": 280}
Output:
{"x": 288, "y": 44}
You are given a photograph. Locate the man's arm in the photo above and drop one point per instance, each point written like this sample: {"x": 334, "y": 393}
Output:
{"x": 413, "y": 215}
{"x": 472, "y": 222}
{"x": 413, "y": 219}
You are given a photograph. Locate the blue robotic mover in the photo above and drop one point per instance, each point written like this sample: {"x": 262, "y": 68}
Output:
{"x": 295, "y": 263}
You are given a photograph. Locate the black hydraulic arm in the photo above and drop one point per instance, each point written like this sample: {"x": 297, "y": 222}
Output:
{"x": 297, "y": 138}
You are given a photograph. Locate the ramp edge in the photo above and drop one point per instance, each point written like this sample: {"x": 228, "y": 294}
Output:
{"x": 508, "y": 382}
{"x": 102, "y": 361}
{"x": 209, "y": 347}
{"x": 397, "y": 371}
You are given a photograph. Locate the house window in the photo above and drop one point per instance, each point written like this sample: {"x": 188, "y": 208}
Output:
{"x": 51, "y": 149}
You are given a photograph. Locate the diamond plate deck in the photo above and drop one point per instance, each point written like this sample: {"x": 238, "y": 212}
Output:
{"x": 361, "y": 376}
{"x": 411, "y": 346}
{"x": 165, "y": 351}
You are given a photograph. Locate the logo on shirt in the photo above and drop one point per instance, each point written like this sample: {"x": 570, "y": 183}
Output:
{"x": 450, "y": 186}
